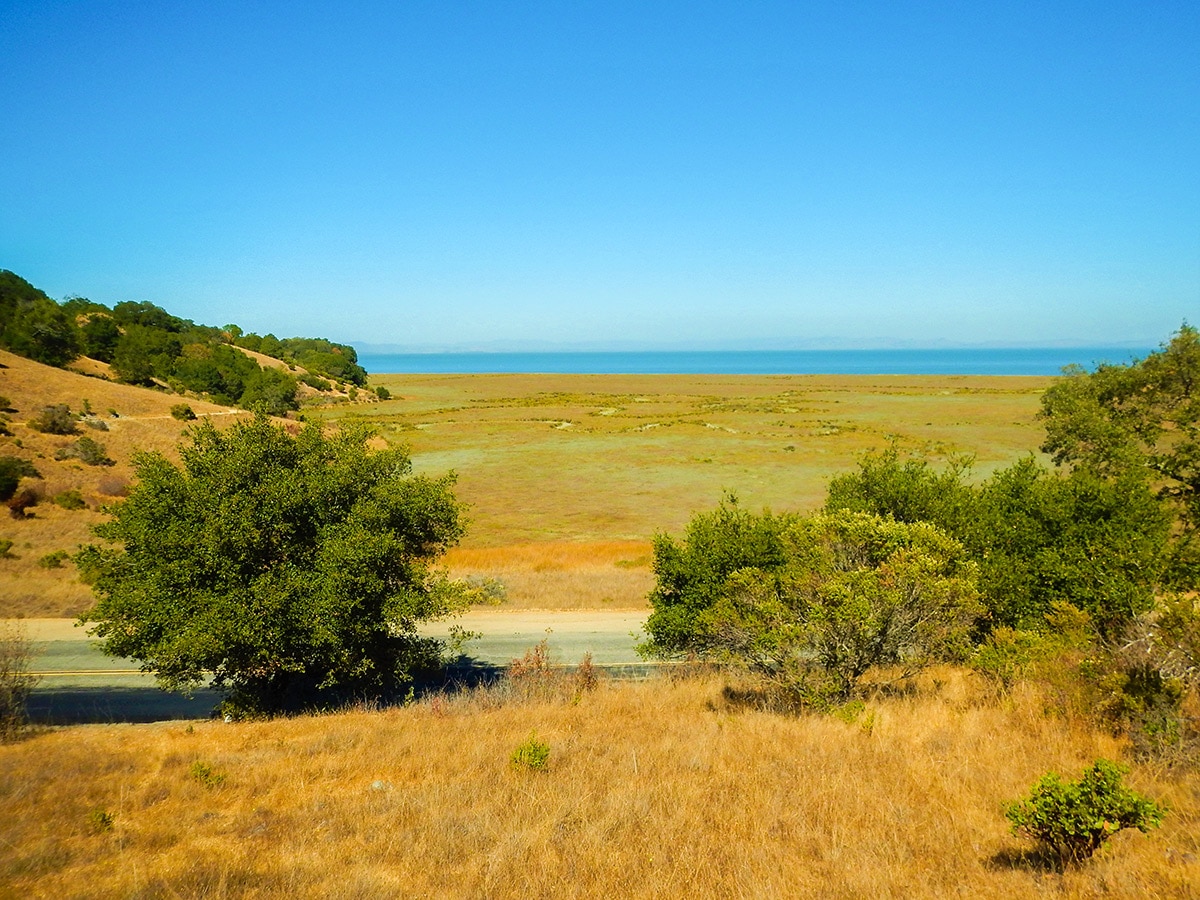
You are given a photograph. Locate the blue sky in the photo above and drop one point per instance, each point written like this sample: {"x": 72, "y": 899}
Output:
{"x": 611, "y": 175}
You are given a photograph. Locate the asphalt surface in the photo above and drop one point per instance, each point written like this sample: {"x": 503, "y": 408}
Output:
{"x": 79, "y": 684}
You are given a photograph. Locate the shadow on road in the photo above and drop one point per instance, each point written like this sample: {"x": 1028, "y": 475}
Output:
{"x": 81, "y": 705}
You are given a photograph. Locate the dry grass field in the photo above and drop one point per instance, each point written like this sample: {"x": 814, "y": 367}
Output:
{"x": 556, "y": 468}
{"x": 567, "y": 476}
{"x": 654, "y": 789}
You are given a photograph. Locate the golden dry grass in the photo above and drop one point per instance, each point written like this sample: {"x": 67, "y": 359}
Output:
{"x": 655, "y": 789}
{"x": 568, "y": 464}
{"x": 553, "y": 460}
{"x": 562, "y": 574}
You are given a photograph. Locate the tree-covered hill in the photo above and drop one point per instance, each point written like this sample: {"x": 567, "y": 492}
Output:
{"x": 143, "y": 344}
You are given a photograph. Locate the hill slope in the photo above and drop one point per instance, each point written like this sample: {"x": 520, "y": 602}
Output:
{"x": 142, "y": 421}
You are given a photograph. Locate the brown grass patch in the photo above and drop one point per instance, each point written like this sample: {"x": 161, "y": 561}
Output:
{"x": 562, "y": 574}
{"x": 652, "y": 790}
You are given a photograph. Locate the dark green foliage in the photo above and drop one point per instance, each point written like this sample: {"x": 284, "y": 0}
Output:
{"x": 908, "y": 490}
{"x": 55, "y": 419}
{"x": 147, "y": 315}
{"x": 269, "y": 391}
{"x": 100, "y": 335}
{"x": 316, "y": 382}
{"x": 285, "y": 566}
{"x": 183, "y": 412}
{"x": 317, "y": 355}
{"x": 145, "y": 354}
{"x": 1039, "y": 538}
{"x": 71, "y": 499}
{"x": 1126, "y": 421}
{"x": 54, "y": 560}
{"x": 88, "y": 451}
{"x": 12, "y": 470}
{"x": 33, "y": 325}
{"x": 811, "y": 604}
{"x": 146, "y": 345}
{"x": 1073, "y": 819}
{"x": 383, "y": 393}
{"x": 691, "y": 576}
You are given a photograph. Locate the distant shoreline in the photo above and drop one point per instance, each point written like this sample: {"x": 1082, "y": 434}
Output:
{"x": 976, "y": 361}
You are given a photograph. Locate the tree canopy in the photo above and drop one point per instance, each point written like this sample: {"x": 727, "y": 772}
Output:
{"x": 1141, "y": 419}
{"x": 1039, "y": 537}
{"x": 286, "y": 567}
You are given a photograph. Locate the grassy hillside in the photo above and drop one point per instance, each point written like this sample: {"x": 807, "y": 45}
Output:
{"x": 143, "y": 422}
{"x": 658, "y": 789}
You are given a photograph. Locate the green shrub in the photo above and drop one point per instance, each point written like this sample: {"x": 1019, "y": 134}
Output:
{"x": 6, "y": 549}
{"x": 316, "y": 382}
{"x": 383, "y": 393}
{"x": 55, "y": 419}
{"x": 183, "y": 412}
{"x": 1073, "y": 819}
{"x": 53, "y": 560}
{"x": 88, "y": 451}
{"x": 531, "y": 754}
{"x": 12, "y": 470}
{"x": 206, "y": 774}
{"x": 100, "y": 820}
{"x": 71, "y": 499}
{"x": 810, "y": 605}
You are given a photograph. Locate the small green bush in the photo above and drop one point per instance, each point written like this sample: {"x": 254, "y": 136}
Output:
{"x": 100, "y": 821}
{"x": 206, "y": 774}
{"x": 71, "y": 499}
{"x": 316, "y": 382}
{"x": 531, "y": 754}
{"x": 6, "y": 549}
{"x": 183, "y": 412}
{"x": 56, "y": 419}
{"x": 12, "y": 470}
{"x": 1073, "y": 819}
{"x": 53, "y": 560}
{"x": 383, "y": 393}
{"x": 88, "y": 451}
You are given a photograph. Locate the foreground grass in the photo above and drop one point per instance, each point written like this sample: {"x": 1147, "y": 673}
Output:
{"x": 656, "y": 789}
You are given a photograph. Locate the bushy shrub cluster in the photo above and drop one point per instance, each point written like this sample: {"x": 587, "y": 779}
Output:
{"x": 811, "y": 604}
{"x": 1073, "y": 819}
{"x": 55, "y": 419}
{"x": 88, "y": 451}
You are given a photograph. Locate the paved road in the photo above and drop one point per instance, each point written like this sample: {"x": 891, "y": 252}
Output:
{"x": 80, "y": 684}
